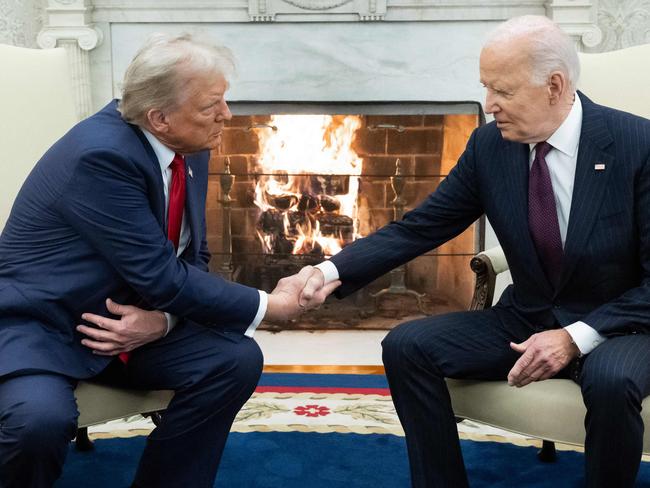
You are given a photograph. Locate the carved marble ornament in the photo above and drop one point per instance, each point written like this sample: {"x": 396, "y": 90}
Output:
{"x": 317, "y": 4}
{"x": 20, "y": 21}
{"x": 624, "y": 23}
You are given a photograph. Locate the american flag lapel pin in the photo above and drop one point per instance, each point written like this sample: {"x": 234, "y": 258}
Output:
{"x": 189, "y": 170}
{"x": 599, "y": 166}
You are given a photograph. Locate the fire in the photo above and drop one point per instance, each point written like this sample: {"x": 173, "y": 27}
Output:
{"x": 309, "y": 183}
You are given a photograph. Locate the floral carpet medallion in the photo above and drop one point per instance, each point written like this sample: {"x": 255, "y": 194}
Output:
{"x": 318, "y": 412}
{"x": 320, "y": 409}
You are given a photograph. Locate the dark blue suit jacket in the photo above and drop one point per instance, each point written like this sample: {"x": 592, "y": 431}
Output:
{"x": 89, "y": 224}
{"x": 606, "y": 271}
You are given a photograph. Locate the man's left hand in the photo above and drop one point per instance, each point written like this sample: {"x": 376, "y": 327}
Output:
{"x": 133, "y": 329}
{"x": 543, "y": 355}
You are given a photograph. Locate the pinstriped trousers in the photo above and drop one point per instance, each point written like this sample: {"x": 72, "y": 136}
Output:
{"x": 418, "y": 355}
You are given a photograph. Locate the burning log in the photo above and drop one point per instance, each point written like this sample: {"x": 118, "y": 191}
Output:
{"x": 282, "y": 202}
{"x": 300, "y": 222}
{"x": 283, "y": 245}
{"x": 335, "y": 220}
{"x": 316, "y": 250}
{"x": 307, "y": 203}
{"x": 310, "y": 248}
{"x": 339, "y": 226}
{"x": 271, "y": 222}
{"x": 329, "y": 204}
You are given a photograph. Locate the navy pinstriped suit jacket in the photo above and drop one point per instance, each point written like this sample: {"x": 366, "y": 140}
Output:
{"x": 89, "y": 224}
{"x": 605, "y": 280}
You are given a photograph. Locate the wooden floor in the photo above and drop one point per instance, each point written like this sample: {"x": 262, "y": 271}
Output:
{"x": 324, "y": 369}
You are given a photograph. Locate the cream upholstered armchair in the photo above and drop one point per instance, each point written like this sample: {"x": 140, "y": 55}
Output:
{"x": 38, "y": 108}
{"x": 553, "y": 410}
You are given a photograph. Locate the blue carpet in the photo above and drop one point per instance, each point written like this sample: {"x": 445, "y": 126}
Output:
{"x": 299, "y": 460}
{"x": 340, "y": 380}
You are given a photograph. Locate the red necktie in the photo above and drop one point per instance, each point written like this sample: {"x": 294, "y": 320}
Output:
{"x": 174, "y": 211}
{"x": 542, "y": 215}
{"x": 176, "y": 200}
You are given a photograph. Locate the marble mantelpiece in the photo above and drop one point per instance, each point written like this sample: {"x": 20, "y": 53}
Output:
{"x": 311, "y": 49}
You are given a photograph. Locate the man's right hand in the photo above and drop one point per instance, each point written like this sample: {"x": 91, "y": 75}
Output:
{"x": 543, "y": 355}
{"x": 314, "y": 293}
{"x": 288, "y": 300}
{"x": 135, "y": 327}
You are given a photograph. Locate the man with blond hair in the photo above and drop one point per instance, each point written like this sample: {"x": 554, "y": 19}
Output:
{"x": 565, "y": 184}
{"x": 104, "y": 275}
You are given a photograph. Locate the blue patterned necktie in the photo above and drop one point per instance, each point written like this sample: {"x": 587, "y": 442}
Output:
{"x": 542, "y": 215}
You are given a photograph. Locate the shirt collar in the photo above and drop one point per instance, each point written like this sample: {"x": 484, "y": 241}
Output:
{"x": 567, "y": 137}
{"x": 163, "y": 153}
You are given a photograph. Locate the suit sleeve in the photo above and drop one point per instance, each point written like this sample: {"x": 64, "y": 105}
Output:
{"x": 445, "y": 213}
{"x": 631, "y": 311}
{"x": 106, "y": 203}
{"x": 204, "y": 254}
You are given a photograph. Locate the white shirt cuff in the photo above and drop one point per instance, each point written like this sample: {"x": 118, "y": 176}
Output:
{"x": 329, "y": 271}
{"x": 172, "y": 320}
{"x": 585, "y": 337}
{"x": 261, "y": 312}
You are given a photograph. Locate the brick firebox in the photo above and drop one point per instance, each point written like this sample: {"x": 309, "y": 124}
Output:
{"x": 428, "y": 146}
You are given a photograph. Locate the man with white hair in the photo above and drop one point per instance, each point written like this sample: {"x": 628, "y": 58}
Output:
{"x": 113, "y": 216}
{"x": 565, "y": 184}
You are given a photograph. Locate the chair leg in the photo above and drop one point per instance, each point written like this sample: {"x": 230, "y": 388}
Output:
{"x": 82, "y": 441}
{"x": 547, "y": 453}
{"x": 156, "y": 417}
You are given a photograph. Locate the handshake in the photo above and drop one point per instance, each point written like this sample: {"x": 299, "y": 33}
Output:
{"x": 297, "y": 293}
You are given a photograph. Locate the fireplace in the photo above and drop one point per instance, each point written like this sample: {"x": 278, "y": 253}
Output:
{"x": 293, "y": 183}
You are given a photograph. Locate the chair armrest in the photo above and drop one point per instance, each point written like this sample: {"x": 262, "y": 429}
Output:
{"x": 486, "y": 265}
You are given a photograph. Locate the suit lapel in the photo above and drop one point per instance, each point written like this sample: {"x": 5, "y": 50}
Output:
{"x": 158, "y": 190}
{"x": 192, "y": 212}
{"x": 517, "y": 156}
{"x": 589, "y": 186}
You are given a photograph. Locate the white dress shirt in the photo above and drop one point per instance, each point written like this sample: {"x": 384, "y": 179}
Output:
{"x": 561, "y": 161}
{"x": 165, "y": 157}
